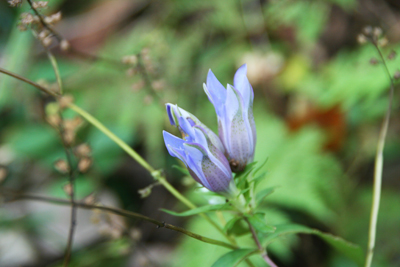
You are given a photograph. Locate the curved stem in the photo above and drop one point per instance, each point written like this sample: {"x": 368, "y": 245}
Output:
{"x": 121, "y": 212}
{"x": 257, "y": 241}
{"x": 376, "y": 195}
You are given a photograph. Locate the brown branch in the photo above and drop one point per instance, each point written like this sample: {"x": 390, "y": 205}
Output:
{"x": 38, "y": 86}
{"x": 12, "y": 196}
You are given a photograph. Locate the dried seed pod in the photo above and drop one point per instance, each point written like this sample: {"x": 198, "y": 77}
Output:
{"x": 54, "y": 120}
{"x": 392, "y": 55}
{"x": 64, "y": 45}
{"x": 65, "y": 101}
{"x": 130, "y": 59}
{"x": 68, "y": 189}
{"x": 84, "y": 164}
{"x": 361, "y": 39}
{"x": 83, "y": 150}
{"x": 61, "y": 166}
{"x": 90, "y": 199}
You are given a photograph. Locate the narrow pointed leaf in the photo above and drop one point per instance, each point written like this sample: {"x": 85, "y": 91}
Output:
{"x": 258, "y": 222}
{"x": 201, "y": 209}
{"x": 263, "y": 194}
{"x": 234, "y": 257}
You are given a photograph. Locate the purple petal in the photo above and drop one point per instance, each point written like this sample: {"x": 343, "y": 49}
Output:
{"x": 216, "y": 92}
{"x": 170, "y": 114}
{"x": 242, "y": 84}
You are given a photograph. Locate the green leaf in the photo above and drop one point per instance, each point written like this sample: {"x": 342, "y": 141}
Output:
{"x": 236, "y": 227}
{"x": 198, "y": 210}
{"x": 260, "y": 167}
{"x": 263, "y": 194}
{"x": 182, "y": 170}
{"x": 350, "y": 250}
{"x": 233, "y": 258}
{"x": 258, "y": 222}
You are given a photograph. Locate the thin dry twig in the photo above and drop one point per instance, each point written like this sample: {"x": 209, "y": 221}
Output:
{"x": 12, "y": 196}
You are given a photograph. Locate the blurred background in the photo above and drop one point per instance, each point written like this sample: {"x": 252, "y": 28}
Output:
{"x": 320, "y": 98}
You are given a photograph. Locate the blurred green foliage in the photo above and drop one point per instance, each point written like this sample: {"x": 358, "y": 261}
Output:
{"x": 184, "y": 39}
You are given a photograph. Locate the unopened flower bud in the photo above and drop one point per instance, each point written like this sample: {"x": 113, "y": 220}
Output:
{"x": 234, "y": 108}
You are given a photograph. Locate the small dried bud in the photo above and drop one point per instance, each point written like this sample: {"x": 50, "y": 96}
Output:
{"x": 83, "y": 150}
{"x": 72, "y": 124}
{"x": 43, "y": 34}
{"x": 145, "y": 51}
{"x": 383, "y": 42}
{"x": 145, "y": 192}
{"x": 21, "y": 27}
{"x": 377, "y": 32}
{"x": 373, "y": 61}
{"x": 361, "y": 39}
{"x": 39, "y": 4}
{"x": 158, "y": 85}
{"x": 392, "y": 55}
{"x": 396, "y": 75}
{"x": 54, "y": 120}
{"x": 15, "y": 3}
{"x": 69, "y": 136}
{"x": 47, "y": 41}
{"x": 68, "y": 189}
{"x": 148, "y": 99}
{"x": 53, "y": 18}
{"x": 3, "y": 173}
{"x": 137, "y": 86}
{"x": 130, "y": 59}
{"x": 131, "y": 71}
{"x": 65, "y": 101}
{"x": 90, "y": 199}
{"x": 84, "y": 164}
{"x": 27, "y": 18}
{"x": 64, "y": 45}
{"x": 61, "y": 166}
{"x": 368, "y": 30}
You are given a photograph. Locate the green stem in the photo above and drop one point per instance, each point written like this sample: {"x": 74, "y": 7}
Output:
{"x": 56, "y": 70}
{"x": 376, "y": 195}
{"x": 112, "y": 136}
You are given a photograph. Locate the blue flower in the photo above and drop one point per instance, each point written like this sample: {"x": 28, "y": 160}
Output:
{"x": 234, "y": 108}
{"x": 200, "y": 150}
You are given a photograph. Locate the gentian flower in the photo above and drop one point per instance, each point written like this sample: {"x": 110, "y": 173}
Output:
{"x": 234, "y": 108}
{"x": 199, "y": 149}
